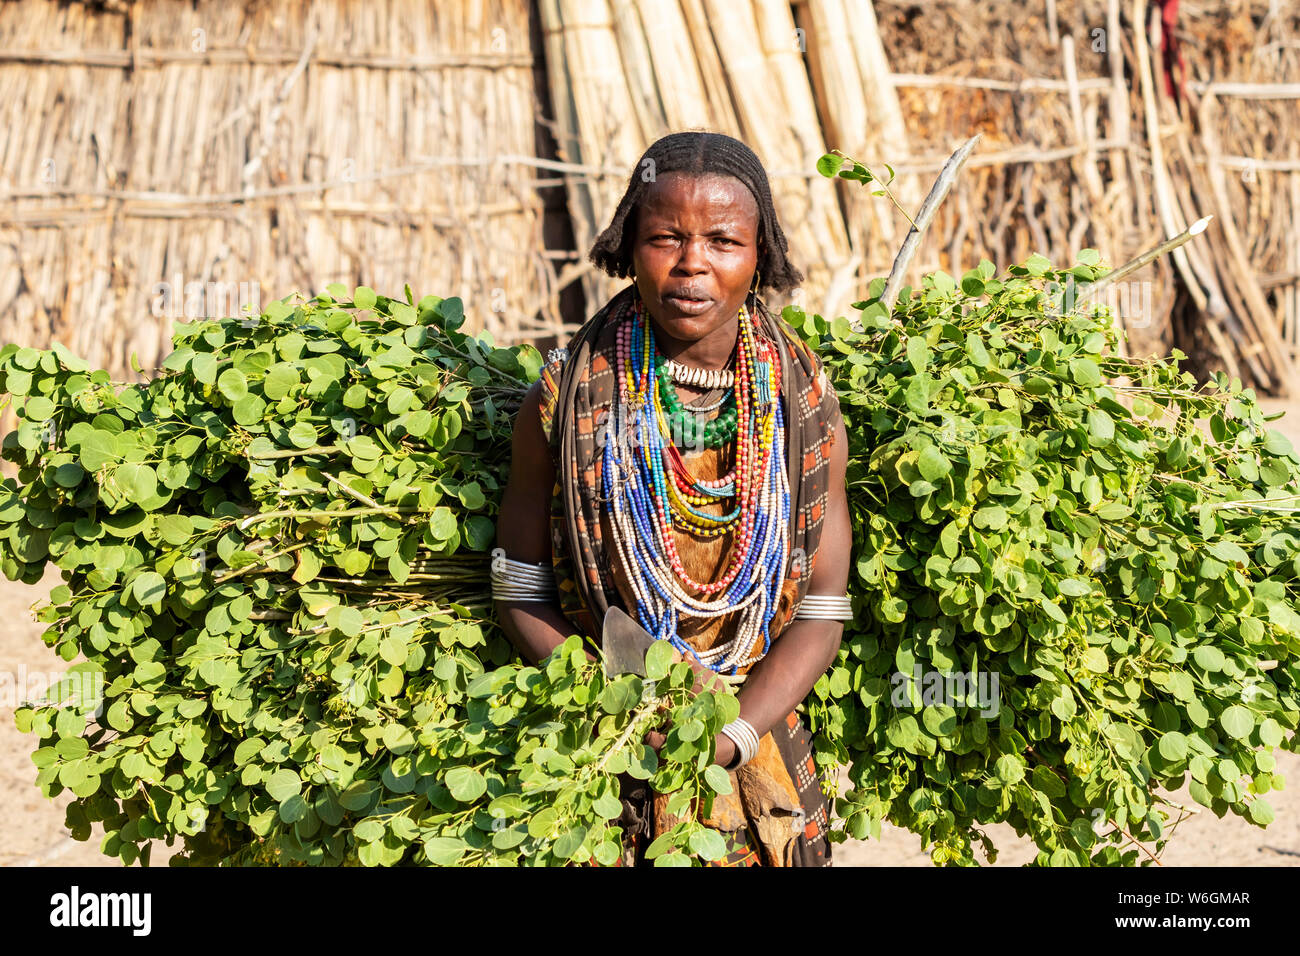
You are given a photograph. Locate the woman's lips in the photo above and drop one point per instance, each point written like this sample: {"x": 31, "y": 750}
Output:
{"x": 689, "y": 306}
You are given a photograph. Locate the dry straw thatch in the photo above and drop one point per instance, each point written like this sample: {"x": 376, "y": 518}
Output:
{"x": 477, "y": 148}
{"x": 271, "y": 147}
{"x": 1093, "y": 137}
{"x": 784, "y": 78}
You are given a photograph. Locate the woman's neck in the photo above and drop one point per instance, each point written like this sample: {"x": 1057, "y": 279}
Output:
{"x": 713, "y": 351}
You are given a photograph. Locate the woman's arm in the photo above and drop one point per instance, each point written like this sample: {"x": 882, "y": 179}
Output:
{"x": 524, "y": 531}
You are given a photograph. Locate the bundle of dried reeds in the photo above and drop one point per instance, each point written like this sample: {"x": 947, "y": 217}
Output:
{"x": 736, "y": 68}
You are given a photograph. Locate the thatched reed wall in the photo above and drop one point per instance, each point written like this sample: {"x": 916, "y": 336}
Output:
{"x": 1068, "y": 96}
{"x": 477, "y": 148}
{"x": 272, "y": 147}
{"x": 789, "y": 79}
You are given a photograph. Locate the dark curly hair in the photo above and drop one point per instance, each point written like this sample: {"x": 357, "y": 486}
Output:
{"x": 699, "y": 153}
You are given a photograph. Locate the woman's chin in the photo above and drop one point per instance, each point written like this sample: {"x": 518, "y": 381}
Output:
{"x": 689, "y": 328}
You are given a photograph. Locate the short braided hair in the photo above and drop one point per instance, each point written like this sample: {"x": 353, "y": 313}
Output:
{"x": 699, "y": 153}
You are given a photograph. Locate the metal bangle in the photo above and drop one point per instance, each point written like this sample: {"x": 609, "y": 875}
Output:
{"x": 745, "y": 737}
{"x": 825, "y": 607}
{"x": 519, "y": 581}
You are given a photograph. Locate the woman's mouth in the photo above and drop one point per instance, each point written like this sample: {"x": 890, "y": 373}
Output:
{"x": 688, "y": 303}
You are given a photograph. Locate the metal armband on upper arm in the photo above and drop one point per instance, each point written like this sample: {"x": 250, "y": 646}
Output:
{"x": 520, "y": 581}
{"x": 825, "y": 607}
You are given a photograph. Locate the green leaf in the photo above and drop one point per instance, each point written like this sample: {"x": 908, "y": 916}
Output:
{"x": 1038, "y": 264}
{"x": 444, "y": 851}
{"x": 442, "y": 524}
{"x": 148, "y": 587}
{"x": 1237, "y": 722}
{"x": 1101, "y": 427}
{"x": 673, "y": 859}
{"x": 717, "y": 779}
{"x": 608, "y": 807}
{"x": 1173, "y": 746}
{"x": 233, "y": 384}
{"x": 1009, "y": 769}
{"x": 658, "y": 658}
{"x": 932, "y": 464}
{"x": 918, "y": 354}
{"x": 479, "y": 533}
{"x": 829, "y": 165}
{"x": 471, "y": 496}
{"x": 708, "y": 844}
{"x": 303, "y": 435}
{"x": 568, "y": 842}
{"x": 1094, "y": 658}
{"x": 283, "y": 784}
{"x": 465, "y": 784}
{"x": 917, "y": 394}
{"x": 1209, "y": 657}
{"x": 1085, "y": 372}
{"x": 1270, "y": 732}
{"x": 690, "y": 731}
{"x": 1261, "y": 812}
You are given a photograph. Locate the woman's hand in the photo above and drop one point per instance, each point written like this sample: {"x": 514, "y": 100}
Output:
{"x": 704, "y": 678}
{"x": 724, "y": 748}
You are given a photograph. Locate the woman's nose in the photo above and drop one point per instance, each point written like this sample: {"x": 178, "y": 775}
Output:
{"x": 693, "y": 257}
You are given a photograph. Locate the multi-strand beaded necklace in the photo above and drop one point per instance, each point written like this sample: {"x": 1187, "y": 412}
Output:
{"x": 652, "y": 494}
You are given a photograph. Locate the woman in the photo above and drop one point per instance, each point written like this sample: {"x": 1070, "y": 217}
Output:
{"x": 684, "y": 459}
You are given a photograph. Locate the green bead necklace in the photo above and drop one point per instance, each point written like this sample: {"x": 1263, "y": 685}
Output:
{"x": 710, "y": 433}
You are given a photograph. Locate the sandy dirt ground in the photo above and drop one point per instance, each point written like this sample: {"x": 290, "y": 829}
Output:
{"x": 32, "y": 831}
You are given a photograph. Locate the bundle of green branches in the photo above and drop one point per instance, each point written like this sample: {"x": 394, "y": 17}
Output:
{"x": 1070, "y": 600}
{"x": 275, "y": 566}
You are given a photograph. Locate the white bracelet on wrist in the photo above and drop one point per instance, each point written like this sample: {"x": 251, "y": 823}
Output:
{"x": 742, "y": 734}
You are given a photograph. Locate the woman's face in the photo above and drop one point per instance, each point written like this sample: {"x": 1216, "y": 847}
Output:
{"x": 694, "y": 253}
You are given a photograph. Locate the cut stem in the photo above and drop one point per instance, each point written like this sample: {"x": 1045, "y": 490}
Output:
{"x": 1155, "y": 252}
{"x": 947, "y": 176}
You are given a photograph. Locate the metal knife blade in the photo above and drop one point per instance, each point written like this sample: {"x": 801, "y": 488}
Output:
{"x": 624, "y": 643}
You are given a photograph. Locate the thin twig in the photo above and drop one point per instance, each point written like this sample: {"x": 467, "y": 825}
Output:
{"x": 320, "y": 513}
{"x": 260, "y": 564}
{"x": 364, "y": 499}
{"x": 293, "y": 452}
